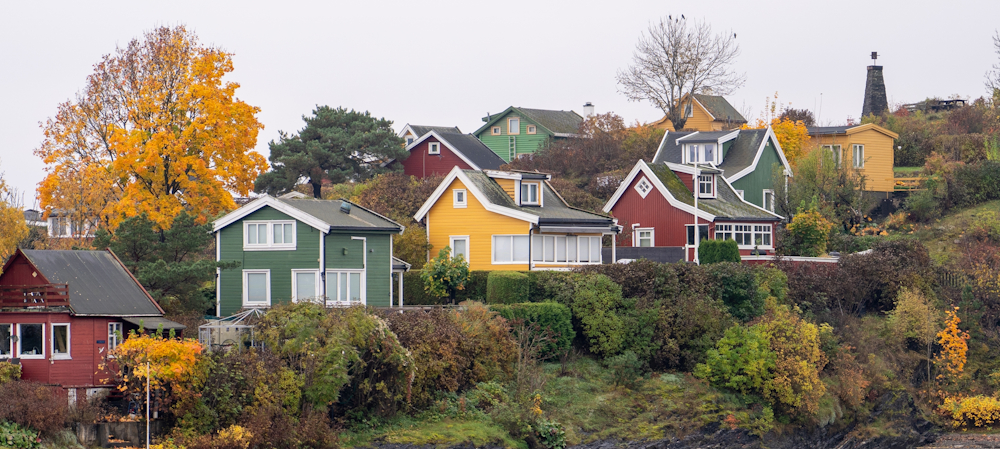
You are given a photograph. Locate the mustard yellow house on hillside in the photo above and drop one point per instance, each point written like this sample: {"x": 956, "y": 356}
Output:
{"x": 706, "y": 113}
{"x": 511, "y": 220}
{"x": 867, "y": 148}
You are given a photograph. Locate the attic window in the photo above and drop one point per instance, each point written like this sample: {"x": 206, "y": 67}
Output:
{"x": 495, "y": 131}
{"x": 513, "y": 125}
{"x": 529, "y": 194}
{"x": 460, "y": 199}
{"x": 643, "y": 187}
{"x": 269, "y": 235}
{"x": 706, "y": 186}
{"x": 409, "y": 140}
{"x": 434, "y": 148}
{"x": 531, "y": 129}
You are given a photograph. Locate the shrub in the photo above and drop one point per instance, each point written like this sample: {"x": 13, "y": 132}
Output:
{"x": 974, "y": 411}
{"x": 444, "y": 276}
{"x": 33, "y": 405}
{"x": 507, "y": 287}
{"x": 15, "y": 436}
{"x": 715, "y": 251}
{"x": 809, "y": 231}
{"x": 626, "y": 368}
{"x": 475, "y": 287}
{"x": 552, "y": 318}
{"x": 595, "y": 298}
{"x": 551, "y": 434}
{"x": 9, "y": 371}
{"x": 739, "y": 288}
{"x": 548, "y": 285}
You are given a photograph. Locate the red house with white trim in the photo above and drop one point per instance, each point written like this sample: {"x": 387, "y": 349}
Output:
{"x": 656, "y": 205}
{"x": 436, "y": 152}
{"x": 62, "y": 311}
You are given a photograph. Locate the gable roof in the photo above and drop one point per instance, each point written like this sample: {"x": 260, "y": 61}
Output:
{"x": 719, "y": 108}
{"x": 837, "y": 130}
{"x": 727, "y": 205}
{"x": 670, "y": 149}
{"x": 557, "y": 123}
{"x": 98, "y": 282}
{"x": 745, "y": 153}
{"x": 324, "y": 215}
{"x": 495, "y": 199}
{"x": 466, "y": 146}
{"x": 419, "y": 130}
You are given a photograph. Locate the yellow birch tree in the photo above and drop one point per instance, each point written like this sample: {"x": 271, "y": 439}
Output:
{"x": 14, "y": 229}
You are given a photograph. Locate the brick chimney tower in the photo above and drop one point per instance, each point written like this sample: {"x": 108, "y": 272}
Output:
{"x": 875, "y": 100}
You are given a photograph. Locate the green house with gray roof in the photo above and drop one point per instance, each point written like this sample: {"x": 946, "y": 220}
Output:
{"x": 750, "y": 159}
{"x": 301, "y": 249}
{"x": 517, "y": 131}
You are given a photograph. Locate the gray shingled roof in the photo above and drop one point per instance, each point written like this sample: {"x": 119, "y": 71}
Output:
{"x": 720, "y": 108}
{"x": 559, "y": 122}
{"x": 669, "y": 150}
{"x": 420, "y": 130}
{"x": 554, "y": 210}
{"x": 814, "y": 130}
{"x": 329, "y": 212}
{"x": 98, "y": 283}
{"x": 726, "y": 206}
{"x": 743, "y": 151}
{"x": 474, "y": 149}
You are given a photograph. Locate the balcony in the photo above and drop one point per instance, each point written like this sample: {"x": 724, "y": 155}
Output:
{"x": 24, "y": 296}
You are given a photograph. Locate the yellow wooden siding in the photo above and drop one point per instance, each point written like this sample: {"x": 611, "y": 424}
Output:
{"x": 508, "y": 186}
{"x": 700, "y": 120}
{"x": 475, "y": 221}
{"x": 878, "y": 156}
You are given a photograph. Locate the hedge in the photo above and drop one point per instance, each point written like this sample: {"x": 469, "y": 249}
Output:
{"x": 714, "y": 251}
{"x": 507, "y": 287}
{"x": 414, "y": 295}
{"x": 549, "y": 317}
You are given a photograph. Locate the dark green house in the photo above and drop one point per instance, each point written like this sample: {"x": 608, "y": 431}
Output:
{"x": 747, "y": 158}
{"x": 517, "y": 131}
{"x": 303, "y": 249}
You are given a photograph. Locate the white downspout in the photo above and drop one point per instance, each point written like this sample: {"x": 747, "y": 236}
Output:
{"x": 322, "y": 266}
{"x": 364, "y": 265}
{"x": 218, "y": 274}
{"x": 697, "y": 235}
{"x": 390, "y": 271}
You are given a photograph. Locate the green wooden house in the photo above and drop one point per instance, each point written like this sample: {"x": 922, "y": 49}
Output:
{"x": 517, "y": 131}
{"x": 747, "y": 158}
{"x": 303, "y": 249}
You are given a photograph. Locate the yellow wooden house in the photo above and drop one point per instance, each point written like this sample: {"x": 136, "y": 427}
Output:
{"x": 511, "y": 220}
{"x": 706, "y": 113}
{"x": 867, "y": 148}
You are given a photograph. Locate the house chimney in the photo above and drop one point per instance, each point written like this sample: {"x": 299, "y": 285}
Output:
{"x": 588, "y": 110}
{"x": 875, "y": 100}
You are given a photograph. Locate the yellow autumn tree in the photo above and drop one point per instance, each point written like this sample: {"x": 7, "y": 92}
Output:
{"x": 168, "y": 363}
{"x": 792, "y": 135}
{"x": 155, "y": 130}
{"x": 954, "y": 347}
{"x": 14, "y": 229}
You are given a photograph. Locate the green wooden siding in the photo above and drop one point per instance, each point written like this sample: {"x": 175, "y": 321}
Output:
{"x": 524, "y": 143}
{"x": 754, "y": 184}
{"x": 305, "y": 256}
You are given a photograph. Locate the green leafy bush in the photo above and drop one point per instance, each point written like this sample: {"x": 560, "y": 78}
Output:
{"x": 715, "y": 251}
{"x": 415, "y": 295}
{"x": 547, "y": 285}
{"x": 507, "y": 287}
{"x": 551, "y": 434}
{"x": 9, "y": 371}
{"x": 738, "y": 286}
{"x": 808, "y": 231}
{"x": 550, "y": 317}
{"x": 595, "y": 299}
{"x": 626, "y": 368}
{"x": 13, "y": 435}
{"x": 444, "y": 276}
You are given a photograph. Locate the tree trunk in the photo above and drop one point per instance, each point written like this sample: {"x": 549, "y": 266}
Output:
{"x": 317, "y": 189}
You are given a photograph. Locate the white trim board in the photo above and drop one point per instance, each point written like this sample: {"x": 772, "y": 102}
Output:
{"x": 643, "y": 168}
{"x": 278, "y": 205}
{"x": 760, "y": 151}
{"x": 457, "y": 173}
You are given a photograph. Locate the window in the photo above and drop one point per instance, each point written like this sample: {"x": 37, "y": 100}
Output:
{"x": 531, "y": 129}
{"x": 565, "y": 249}
{"x": 702, "y": 233}
{"x": 459, "y": 199}
{"x": 60, "y": 341}
{"x": 513, "y": 125}
{"x": 709, "y": 153}
{"x": 706, "y": 186}
{"x": 835, "y": 151}
{"x": 257, "y": 288}
{"x": 495, "y": 131}
{"x": 692, "y": 154}
{"x": 59, "y": 226}
{"x": 769, "y": 200}
{"x": 762, "y": 235}
{"x": 434, "y": 148}
{"x": 510, "y": 249}
{"x": 305, "y": 285}
{"x": 345, "y": 286}
{"x": 643, "y": 187}
{"x": 529, "y": 193}
{"x": 643, "y": 237}
{"x": 5, "y": 341}
{"x": 746, "y": 236}
{"x": 409, "y": 140}
{"x": 269, "y": 235}
{"x": 460, "y": 246}
{"x": 859, "y": 156}
{"x": 29, "y": 341}
{"x": 723, "y": 232}
{"x": 114, "y": 335}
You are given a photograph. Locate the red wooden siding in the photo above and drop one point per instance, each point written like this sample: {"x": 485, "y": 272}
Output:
{"x": 687, "y": 179}
{"x": 653, "y": 211}
{"x": 20, "y": 273}
{"x": 82, "y": 369}
{"x": 421, "y": 164}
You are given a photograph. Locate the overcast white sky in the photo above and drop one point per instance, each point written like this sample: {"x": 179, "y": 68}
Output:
{"x": 451, "y": 63}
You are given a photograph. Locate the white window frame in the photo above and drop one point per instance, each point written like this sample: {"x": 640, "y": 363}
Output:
{"x": 690, "y": 149}
{"x": 270, "y": 245}
{"x": 20, "y": 340}
{"x": 710, "y": 181}
{"x": 516, "y": 129}
{"x": 689, "y": 232}
{"x": 837, "y": 151}
{"x": 52, "y": 342}
{"x": 295, "y": 284}
{"x": 704, "y": 152}
{"x": 643, "y": 187}
{"x": 409, "y": 140}
{"x": 458, "y": 203}
{"x": 538, "y": 245}
{"x": 468, "y": 248}
{"x": 531, "y": 129}
{"x": 335, "y": 299}
{"x": 267, "y": 288}
{"x": 538, "y": 193}
{"x": 434, "y": 148}
{"x": 858, "y": 156}
{"x": 496, "y": 131}
{"x": 748, "y": 232}
{"x": 764, "y": 196}
{"x": 113, "y": 327}
{"x": 493, "y": 252}
{"x": 10, "y": 342}
{"x": 637, "y": 237}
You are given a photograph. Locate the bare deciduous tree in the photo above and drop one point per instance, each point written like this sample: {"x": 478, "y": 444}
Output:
{"x": 674, "y": 59}
{"x": 993, "y": 76}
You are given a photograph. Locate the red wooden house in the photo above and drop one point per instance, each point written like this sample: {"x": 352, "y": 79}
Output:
{"x": 437, "y": 152}
{"x": 656, "y": 205}
{"x": 62, "y": 311}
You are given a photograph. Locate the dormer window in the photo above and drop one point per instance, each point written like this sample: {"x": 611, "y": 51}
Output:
{"x": 409, "y": 140}
{"x": 692, "y": 153}
{"x": 434, "y": 148}
{"x": 709, "y": 153}
{"x": 706, "y": 186}
{"x": 529, "y": 194}
{"x": 701, "y": 153}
